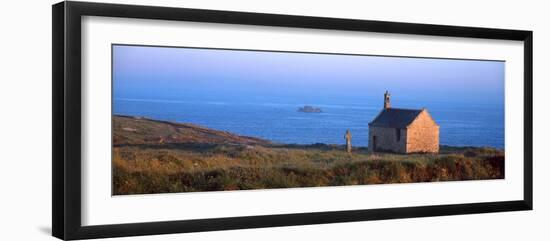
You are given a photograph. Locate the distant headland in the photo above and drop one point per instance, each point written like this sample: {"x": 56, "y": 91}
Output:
{"x": 310, "y": 109}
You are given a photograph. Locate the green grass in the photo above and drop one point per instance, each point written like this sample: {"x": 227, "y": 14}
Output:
{"x": 178, "y": 167}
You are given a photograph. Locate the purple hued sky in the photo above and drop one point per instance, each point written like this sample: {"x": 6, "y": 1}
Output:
{"x": 169, "y": 73}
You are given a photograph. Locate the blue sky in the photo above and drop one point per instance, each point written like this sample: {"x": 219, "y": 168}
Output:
{"x": 233, "y": 75}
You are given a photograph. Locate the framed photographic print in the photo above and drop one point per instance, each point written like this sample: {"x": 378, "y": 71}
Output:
{"x": 170, "y": 120}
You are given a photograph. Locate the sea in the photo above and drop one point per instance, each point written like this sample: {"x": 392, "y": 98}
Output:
{"x": 461, "y": 124}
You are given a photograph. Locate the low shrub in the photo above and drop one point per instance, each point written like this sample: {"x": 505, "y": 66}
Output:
{"x": 216, "y": 168}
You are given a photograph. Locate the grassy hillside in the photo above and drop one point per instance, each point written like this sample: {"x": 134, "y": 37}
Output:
{"x": 128, "y": 130}
{"x": 157, "y": 157}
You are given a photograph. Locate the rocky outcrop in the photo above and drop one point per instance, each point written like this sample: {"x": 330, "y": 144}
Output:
{"x": 309, "y": 109}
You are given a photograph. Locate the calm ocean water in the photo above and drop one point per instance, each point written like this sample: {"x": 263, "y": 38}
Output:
{"x": 460, "y": 124}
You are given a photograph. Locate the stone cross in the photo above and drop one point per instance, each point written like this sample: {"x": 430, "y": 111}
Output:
{"x": 348, "y": 141}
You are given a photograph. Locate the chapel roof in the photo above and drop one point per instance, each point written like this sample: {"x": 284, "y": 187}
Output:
{"x": 395, "y": 117}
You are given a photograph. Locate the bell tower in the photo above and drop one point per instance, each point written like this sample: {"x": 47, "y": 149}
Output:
{"x": 387, "y": 103}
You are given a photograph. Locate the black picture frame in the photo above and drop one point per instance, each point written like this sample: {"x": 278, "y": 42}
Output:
{"x": 66, "y": 157}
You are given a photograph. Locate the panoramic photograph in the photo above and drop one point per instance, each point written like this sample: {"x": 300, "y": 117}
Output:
{"x": 202, "y": 119}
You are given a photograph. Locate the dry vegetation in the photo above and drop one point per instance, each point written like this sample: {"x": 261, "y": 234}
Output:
{"x": 187, "y": 158}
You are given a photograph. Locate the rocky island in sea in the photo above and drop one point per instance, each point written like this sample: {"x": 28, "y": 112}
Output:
{"x": 310, "y": 109}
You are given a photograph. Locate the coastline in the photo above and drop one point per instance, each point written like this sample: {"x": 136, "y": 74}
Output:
{"x": 151, "y": 156}
{"x": 443, "y": 147}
